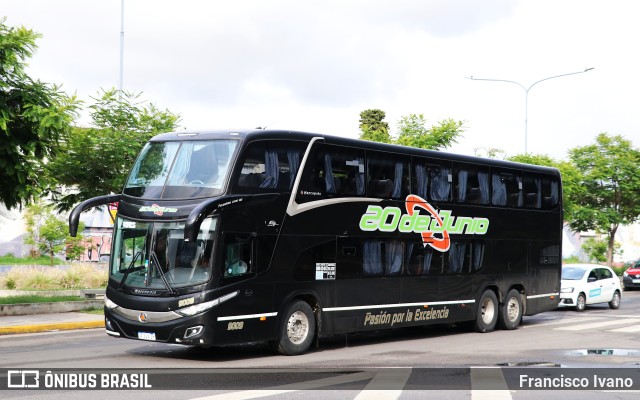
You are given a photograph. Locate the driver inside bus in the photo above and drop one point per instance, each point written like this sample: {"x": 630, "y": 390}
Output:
{"x": 204, "y": 167}
{"x": 234, "y": 265}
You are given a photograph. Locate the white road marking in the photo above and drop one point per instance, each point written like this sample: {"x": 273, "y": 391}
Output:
{"x": 595, "y": 325}
{"x": 488, "y": 383}
{"x": 385, "y": 385}
{"x": 294, "y": 387}
{"x": 563, "y": 321}
{"x": 626, "y": 329}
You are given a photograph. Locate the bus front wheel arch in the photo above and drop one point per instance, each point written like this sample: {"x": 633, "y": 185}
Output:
{"x": 487, "y": 313}
{"x": 297, "y": 329}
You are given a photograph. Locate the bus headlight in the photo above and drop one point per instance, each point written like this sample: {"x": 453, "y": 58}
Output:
{"x": 202, "y": 307}
{"x": 566, "y": 290}
{"x": 110, "y": 304}
{"x": 197, "y": 308}
{"x": 625, "y": 274}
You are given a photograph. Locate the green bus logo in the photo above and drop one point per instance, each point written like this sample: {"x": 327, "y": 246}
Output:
{"x": 434, "y": 227}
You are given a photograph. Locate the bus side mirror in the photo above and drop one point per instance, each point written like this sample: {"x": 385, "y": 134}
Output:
{"x": 74, "y": 217}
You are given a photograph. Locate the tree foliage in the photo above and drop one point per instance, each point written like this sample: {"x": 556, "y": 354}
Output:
{"x": 372, "y": 126}
{"x": 596, "y": 249}
{"x": 412, "y": 130}
{"x": 607, "y": 193}
{"x": 34, "y": 117}
{"x": 49, "y": 234}
{"x": 96, "y": 161}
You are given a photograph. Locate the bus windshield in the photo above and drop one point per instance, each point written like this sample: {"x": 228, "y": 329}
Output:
{"x": 154, "y": 255}
{"x": 178, "y": 170}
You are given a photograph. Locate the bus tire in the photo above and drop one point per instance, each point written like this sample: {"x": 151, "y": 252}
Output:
{"x": 487, "y": 316}
{"x": 510, "y": 314}
{"x": 297, "y": 329}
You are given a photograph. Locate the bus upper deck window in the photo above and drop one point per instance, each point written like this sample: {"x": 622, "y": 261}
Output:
{"x": 269, "y": 167}
{"x": 332, "y": 171}
{"x": 388, "y": 175}
{"x": 506, "y": 189}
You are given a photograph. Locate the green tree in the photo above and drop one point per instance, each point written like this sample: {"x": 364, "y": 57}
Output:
{"x": 34, "y": 216}
{"x": 413, "y": 132}
{"x": 372, "y": 126}
{"x": 608, "y": 191}
{"x": 49, "y": 234}
{"x": 34, "y": 117}
{"x": 73, "y": 245}
{"x": 596, "y": 249}
{"x": 53, "y": 235}
{"x": 96, "y": 161}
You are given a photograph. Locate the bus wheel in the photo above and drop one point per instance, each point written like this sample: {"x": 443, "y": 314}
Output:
{"x": 510, "y": 314}
{"x": 487, "y": 312}
{"x": 297, "y": 329}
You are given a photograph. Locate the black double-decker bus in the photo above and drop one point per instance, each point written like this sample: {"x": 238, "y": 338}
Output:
{"x": 233, "y": 237}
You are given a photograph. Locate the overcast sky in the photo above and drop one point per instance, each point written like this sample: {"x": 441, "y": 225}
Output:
{"x": 314, "y": 65}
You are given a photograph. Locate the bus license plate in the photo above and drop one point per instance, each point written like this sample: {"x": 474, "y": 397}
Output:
{"x": 146, "y": 335}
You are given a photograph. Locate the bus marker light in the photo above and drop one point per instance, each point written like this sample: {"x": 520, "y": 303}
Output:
{"x": 263, "y": 318}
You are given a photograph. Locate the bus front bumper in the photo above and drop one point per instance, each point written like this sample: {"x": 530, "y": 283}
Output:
{"x": 195, "y": 330}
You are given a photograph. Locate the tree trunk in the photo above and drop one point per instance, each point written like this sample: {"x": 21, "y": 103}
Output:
{"x": 611, "y": 244}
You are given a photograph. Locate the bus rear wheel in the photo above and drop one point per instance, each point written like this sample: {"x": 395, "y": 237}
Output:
{"x": 297, "y": 329}
{"x": 487, "y": 317}
{"x": 510, "y": 314}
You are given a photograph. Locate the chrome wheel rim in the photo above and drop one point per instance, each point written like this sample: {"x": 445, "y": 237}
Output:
{"x": 297, "y": 327}
{"x": 513, "y": 309}
{"x": 488, "y": 311}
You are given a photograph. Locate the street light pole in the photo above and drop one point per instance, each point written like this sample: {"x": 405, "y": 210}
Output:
{"x": 526, "y": 95}
{"x": 121, "y": 82}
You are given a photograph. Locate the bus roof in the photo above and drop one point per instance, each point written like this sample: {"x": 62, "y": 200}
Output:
{"x": 272, "y": 134}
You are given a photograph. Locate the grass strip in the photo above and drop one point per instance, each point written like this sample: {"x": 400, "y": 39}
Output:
{"x": 22, "y": 299}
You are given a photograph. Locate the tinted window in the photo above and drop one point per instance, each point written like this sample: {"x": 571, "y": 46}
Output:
{"x": 605, "y": 273}
{"x": 383, "y": 257}
{"x": 238, "y": 255}
{"x": 471, "y": 184}
{"x": 432, "y": 180}
{"x": 332, "y": 171}
{"x": 387, "y": 175}
{"x": 541, "y": 192}
{"x": 463, "y": 257}
{"x": 269, "y": 167}
{"x": 506, "y": 189}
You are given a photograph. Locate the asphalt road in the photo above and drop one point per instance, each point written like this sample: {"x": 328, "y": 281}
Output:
{"x": 451, "y": 362}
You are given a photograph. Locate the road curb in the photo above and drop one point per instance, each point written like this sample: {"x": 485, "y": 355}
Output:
{"x": 60, "y": 326}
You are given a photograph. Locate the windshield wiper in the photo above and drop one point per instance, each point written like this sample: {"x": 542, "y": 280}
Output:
{"x": 130, "y": 269}
{"x": 155, "y": 260}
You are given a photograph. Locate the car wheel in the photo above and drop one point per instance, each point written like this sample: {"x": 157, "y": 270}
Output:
{"x": 581, "y": 302}
{"x": 487, "y": 312}
{"x": 511, "y": 311}
{"x": 615, "y": 301}
{"x": 297, "y": 329}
